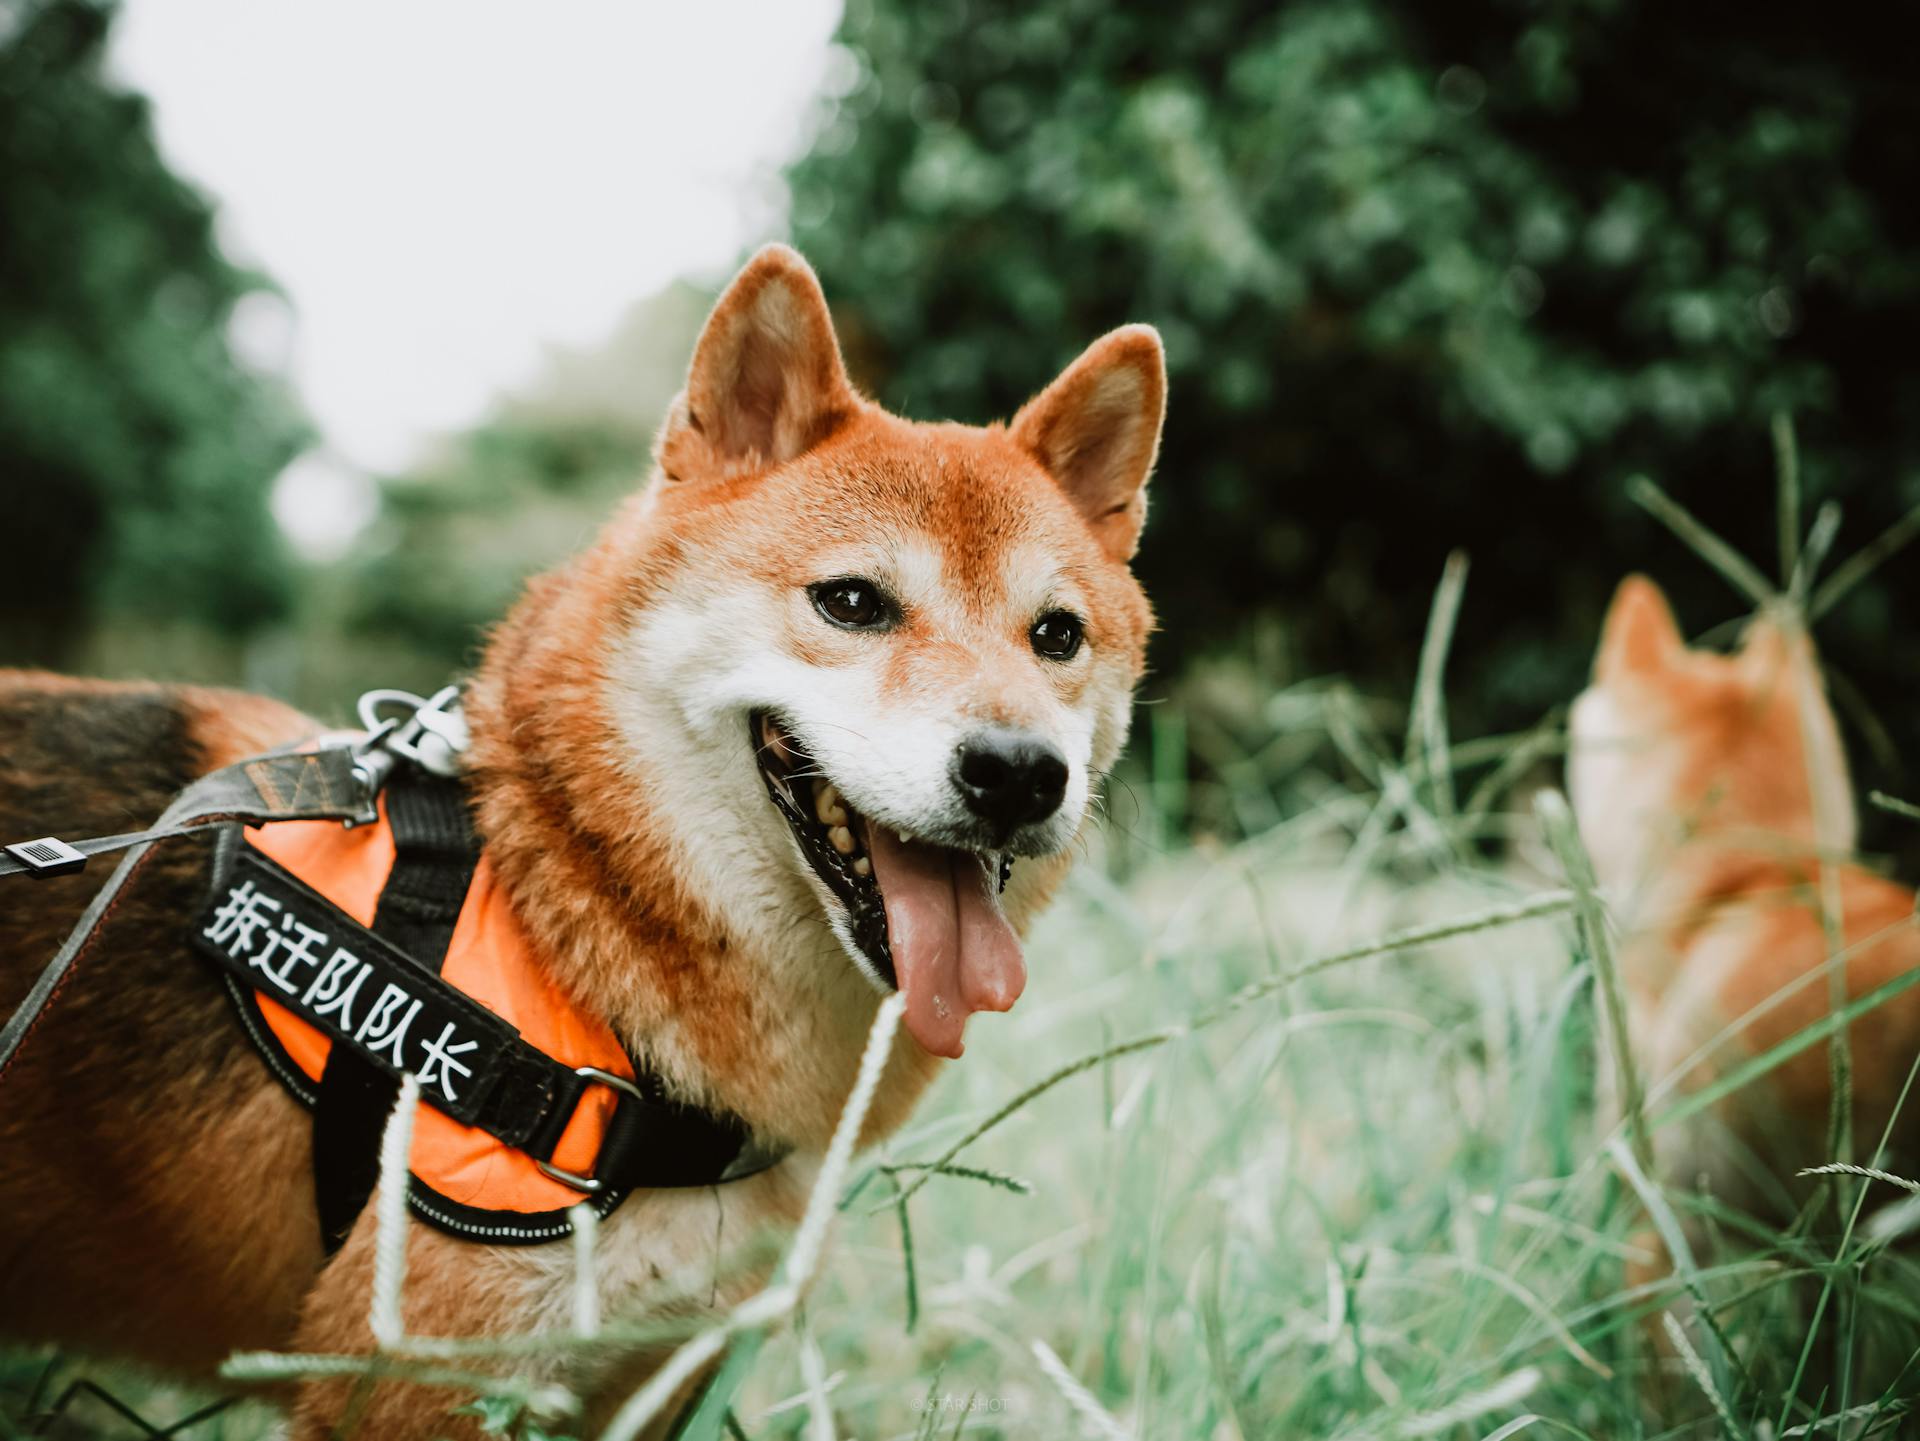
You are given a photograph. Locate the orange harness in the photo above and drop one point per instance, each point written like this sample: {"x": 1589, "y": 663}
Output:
{"x": 363, "y": 936}
{"x": 360, "y": 953}
{"x": 488, "y": 959}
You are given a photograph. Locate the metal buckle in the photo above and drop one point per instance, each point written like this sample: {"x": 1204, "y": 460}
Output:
{"x": 617, "y": 1083}
{"x": 433, "y": 733}
{"x": 48, "y": 856}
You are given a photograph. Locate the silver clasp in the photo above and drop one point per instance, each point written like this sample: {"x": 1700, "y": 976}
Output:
{"x": 432, "y": 733}
{"x": 588, "y": 1184}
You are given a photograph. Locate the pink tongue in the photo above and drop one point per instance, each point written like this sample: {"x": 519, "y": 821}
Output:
{"x": 953, "y": 951}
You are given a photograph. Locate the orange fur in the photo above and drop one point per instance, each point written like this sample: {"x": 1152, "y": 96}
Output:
{"x": 157, "y": 1197}
{"x": 1714, "y": 795}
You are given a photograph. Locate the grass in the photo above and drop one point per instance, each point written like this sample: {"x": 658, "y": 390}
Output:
{"x": 1370, "y": 1198}
{"x": 1297, "y": 1135}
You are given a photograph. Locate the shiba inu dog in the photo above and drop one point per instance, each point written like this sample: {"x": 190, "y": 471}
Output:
{"x": 1713, "y": 794}
{"x": 768, "y": 750}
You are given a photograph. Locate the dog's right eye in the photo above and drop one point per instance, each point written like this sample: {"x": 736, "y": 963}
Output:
{"x": 853, "y": 603}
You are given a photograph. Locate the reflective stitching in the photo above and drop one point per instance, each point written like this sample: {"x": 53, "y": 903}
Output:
{"x": 521, "y": 1233}
{"x": 270, "y": 1050}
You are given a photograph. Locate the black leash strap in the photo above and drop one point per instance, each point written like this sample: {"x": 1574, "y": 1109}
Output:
{"x": 309, "y": 785}
{"x": 51, "y": 856}
{"x": 435, "y": 852}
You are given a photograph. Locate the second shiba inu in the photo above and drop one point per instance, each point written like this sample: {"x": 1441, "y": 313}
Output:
{"x": 770, "y": 748}
{"x": 1713, "y": 793}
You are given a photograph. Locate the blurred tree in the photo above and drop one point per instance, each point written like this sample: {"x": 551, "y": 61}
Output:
{"x": 1429, "y": 276}
{"x": 457, "y": 537}
{"x": 135, "y": 453}
{"x": 517, "y": 493}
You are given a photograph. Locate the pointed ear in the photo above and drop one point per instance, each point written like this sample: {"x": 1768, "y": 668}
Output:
{"x": 1640, "y": 635}
{"x": 766, "y": 382}
{"x": 1097, "y": 430}
{"x": 1770, "y": 644}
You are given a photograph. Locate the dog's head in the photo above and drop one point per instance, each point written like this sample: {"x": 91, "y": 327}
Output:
{"x": 1670, "y": 741}
{"x": 900, "y": 657}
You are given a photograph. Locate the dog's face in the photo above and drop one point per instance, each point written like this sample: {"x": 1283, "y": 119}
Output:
{"x": 1669, "y": 741}
{"x": 900, "y": 656}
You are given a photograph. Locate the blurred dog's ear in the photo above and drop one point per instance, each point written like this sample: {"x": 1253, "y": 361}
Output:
{"x": 1097, "y": 431}
{"x": 766, "y": 383}
{"x": 1640, "y": 635}
{"x": 1771, "y": 643}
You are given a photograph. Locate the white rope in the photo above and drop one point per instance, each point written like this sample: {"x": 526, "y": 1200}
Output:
{"x": 390, "y": 1241}
{"x": 586, "y": 1289}
{"x": 1078, "y": 1396}
{"x": 809, "y": 1242}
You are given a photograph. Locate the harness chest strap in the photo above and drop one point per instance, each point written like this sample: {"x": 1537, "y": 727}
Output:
{"x": 434, "y": 854}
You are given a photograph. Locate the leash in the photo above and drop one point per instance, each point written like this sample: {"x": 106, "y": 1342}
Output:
{"x": 275, "y": 938}
{"x": 325, "y": 784}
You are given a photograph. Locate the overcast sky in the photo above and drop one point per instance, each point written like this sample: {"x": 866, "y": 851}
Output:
{"x": 442, "y": 187}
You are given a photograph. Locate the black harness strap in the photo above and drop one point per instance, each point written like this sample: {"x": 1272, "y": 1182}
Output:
{"x": 434, "y": 854}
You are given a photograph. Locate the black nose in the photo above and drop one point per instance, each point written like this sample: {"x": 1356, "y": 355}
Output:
{"x": 1010, "y": 777}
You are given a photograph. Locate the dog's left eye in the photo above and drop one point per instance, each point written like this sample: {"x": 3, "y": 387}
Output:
{"x": 853, "y": 603}
{"x": 1056, "y": 635}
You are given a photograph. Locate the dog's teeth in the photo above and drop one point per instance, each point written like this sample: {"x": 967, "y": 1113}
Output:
{"x": 841, "y": 839}
{"x": 826, "y": 805}
{"x": 862, "y": 867}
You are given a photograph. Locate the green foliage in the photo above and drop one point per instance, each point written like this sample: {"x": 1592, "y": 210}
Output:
{"x": 136, "y": 452}
{"x": 457, "y": 538}
{"x": 459, "y": 534}
{"x": 1428, "y": 277}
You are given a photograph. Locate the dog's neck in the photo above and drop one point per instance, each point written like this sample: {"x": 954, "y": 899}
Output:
{"x": 738, "y": 995}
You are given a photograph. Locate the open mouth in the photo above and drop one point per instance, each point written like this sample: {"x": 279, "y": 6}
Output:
{"x": 925, "y": 919}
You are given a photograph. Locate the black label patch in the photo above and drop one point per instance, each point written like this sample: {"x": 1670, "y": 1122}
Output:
{"x": 294, "y": 946}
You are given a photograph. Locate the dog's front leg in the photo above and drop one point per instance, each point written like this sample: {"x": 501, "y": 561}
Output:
{"x": 448, "y": 1291}
{"x": 677, "y": 1258}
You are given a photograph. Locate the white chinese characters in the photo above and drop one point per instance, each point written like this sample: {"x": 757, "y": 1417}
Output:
{"x": 331, "y": 984}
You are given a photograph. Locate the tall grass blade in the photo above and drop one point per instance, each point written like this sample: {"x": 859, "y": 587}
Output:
{"x": 1871, "y": 1173}
{"x": 1895, "y": 806}
{"x": 1786, "y": 462}
{"x": 1735, "y": 568}
{"x": 1077, "y": 1396}
{"x": 1697, "y": 1369}
{"x": 1826, "y": 529}
{"x": 1862, "y": 563}
{"x": 1427, "y": 749}
{"x": 712, "y": 1417}
{"x": 1590, "y": 914}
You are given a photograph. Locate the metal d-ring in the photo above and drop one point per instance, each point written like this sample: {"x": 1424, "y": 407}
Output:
{"x": 588, "y": 1184}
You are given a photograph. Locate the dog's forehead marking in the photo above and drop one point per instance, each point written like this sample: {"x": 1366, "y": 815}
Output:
{"x": 1033, "y": 579}
{"x": 919, "y": 570}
